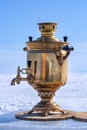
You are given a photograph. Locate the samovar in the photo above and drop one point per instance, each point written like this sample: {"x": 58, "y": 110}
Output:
{"x": 46, "y": 72}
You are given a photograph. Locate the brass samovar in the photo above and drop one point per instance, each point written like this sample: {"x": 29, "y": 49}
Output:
{"x": 46, "y": 72}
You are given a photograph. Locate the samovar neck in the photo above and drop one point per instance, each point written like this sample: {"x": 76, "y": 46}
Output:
{"x": 47, "y": 29}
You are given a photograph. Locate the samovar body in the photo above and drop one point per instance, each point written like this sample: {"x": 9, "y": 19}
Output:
{"x": 45, "y": 67}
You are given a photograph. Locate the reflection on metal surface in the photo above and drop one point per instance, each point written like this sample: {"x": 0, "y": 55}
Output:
{"x": 44, "y": 67}
{"x": 46, "y": 71}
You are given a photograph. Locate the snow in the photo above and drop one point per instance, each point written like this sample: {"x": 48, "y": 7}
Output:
{"x": 13, "y": 99}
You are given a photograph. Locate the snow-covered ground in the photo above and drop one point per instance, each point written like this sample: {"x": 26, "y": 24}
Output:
{"x": 72, "y": 96}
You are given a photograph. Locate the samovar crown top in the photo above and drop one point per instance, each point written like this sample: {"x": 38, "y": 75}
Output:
{"x": 47, "y": 27}
{"x": 47, "y": 23}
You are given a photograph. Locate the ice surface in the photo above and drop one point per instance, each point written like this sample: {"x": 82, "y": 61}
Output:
{"x": 72, "y": 96}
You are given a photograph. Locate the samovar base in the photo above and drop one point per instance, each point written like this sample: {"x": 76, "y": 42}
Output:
{"x": 45, "y": 112}
{"x": 38, "y": 116}
{"x": 46, "y": 109}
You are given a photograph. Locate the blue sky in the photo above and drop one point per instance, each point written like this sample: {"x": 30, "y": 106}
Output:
{"x": 19, "y": 18}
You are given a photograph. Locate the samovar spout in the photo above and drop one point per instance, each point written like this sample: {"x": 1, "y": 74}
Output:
{"x": 13, "y": 81}
{"x": 18, "y": 78}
